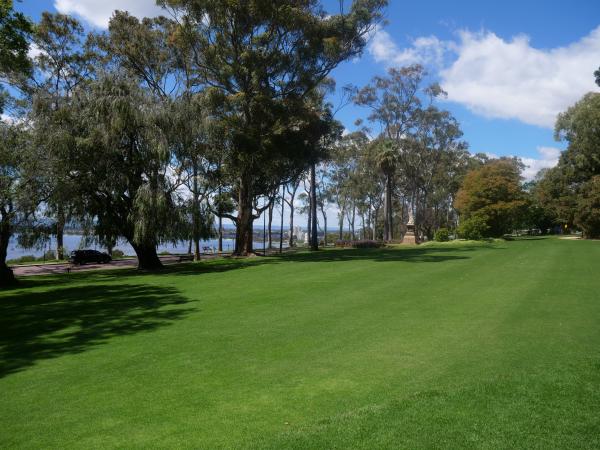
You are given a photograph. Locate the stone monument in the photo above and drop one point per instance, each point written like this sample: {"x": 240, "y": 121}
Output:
{"x": 409, "y": 236}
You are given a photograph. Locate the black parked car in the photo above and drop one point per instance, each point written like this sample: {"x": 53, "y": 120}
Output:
{"x": 89, "y": 256}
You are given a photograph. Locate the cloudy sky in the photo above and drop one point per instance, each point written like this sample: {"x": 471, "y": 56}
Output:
{"x": 509, "y": 67}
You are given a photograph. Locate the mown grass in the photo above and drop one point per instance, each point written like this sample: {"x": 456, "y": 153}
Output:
{"x": 442, "y": 346}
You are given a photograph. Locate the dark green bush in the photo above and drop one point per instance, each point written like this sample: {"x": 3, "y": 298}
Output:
{"x": 116, "y": 253}
{"x": 474, "y": 228}
{"x": 22, "y": 259}
{"x": 442, "y": 235}
{"x": 343, "y": 243}
{"x": 366, "y": 243}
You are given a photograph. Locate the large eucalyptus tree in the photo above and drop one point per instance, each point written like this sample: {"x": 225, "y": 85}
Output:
{"x": 259, "y": 60}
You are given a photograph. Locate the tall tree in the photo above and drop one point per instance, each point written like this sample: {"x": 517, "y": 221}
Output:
{"x": 120, "y": 160}
{"x": 570, "y": 190}
{"x": 387, "y": 160}
{"x": 20, "y": 190}
{"x": 61, "y": 65}
{"x": 260, "y": 61}
{"x": 493, "y": 193}
{"x": 396, "y": 103}
{"x": 291, "y": 188}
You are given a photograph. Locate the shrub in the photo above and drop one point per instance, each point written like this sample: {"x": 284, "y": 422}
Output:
{"x": 22, "y": 259}
{"x": 474, "y": 228}
{"x": 116, "y": 253}
{"x": 343, "y": 243}
{"x": 442, "y": 235}
{"x": 48, "y": 256}
{"x": 366, "y": 243}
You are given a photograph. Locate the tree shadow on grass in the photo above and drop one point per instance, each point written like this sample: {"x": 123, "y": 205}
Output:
{"x": 40, "y": 325}
{"x": 407, "y": 254}
{"x": 421, "y": 254}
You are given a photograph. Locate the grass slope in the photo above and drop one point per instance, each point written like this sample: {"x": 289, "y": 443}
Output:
{"x": 444, "y": 346}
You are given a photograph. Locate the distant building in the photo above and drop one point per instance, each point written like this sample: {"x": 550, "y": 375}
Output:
{"x": 298, "y": 233}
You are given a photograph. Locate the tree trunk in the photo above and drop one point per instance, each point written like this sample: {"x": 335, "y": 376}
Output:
{"x": 245, "y": 219}
{"x": 270, "y": 227}
{"x": 147, "y": 257}
{"x": 292, "y": 209}
{"x": 190, "y": 246}
{"x": 314, "y": 239}
{"x": 324, "y": 228}
{"x": 60, "y": 234}
{"x": 281, "y": 224}
{"x": 7, "y": 278}
{"x": 387, "y": 210}
{"x": 291, "y": 243}
{"x": 352, "y": 222}
{"x": 309, "y": 222}
{"x": 341, "y": 224}
{"x": 196, "y": 214}
{"x": 220, "y": 249}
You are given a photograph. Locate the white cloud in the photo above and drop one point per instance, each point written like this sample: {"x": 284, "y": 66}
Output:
{"x": 427, "y": 50}
{"x": 548, "y": 158}
{"x": 513, "y": 80}
{"x": 499, "y": 78}
{"x": 34, "y": 51}
{"x": 98, "y": 13}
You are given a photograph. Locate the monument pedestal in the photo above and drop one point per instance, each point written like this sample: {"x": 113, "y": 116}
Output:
{"x": 409, "y": 237}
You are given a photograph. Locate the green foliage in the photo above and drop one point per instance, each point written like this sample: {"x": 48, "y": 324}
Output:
{"x": 15, "y": 29}
{"x": 119, "y": 160}
{"x": 474, "y": 228}
{"x": 587, "y": 216}
{"x": 569, "y": 191}
{"x": 265, "y": 91}
{"x": 579, "y": 127}
{"x": 22, "y": 259}
{"x": 116, "y": 253}
{"x": 442, "y": 235}
{"x": 493, "y": 192}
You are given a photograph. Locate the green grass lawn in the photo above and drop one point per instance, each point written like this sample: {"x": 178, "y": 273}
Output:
{"x": 442, "y": 346}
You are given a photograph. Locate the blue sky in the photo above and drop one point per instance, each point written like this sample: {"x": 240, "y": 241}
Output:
{"x": 509, "y": 67}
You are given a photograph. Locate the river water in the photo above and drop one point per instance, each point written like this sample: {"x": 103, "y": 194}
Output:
{"x": 74, "y": 241}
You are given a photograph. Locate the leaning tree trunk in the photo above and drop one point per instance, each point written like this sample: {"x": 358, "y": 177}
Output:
{"x": 147, "y": 257}
{"x": 7, "y": 278}
{"x": 314, "y": 239}
{"x": 245, "y": 219}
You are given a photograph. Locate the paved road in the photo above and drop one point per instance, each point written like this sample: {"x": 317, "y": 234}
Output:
{"x": 46, "y": 269}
